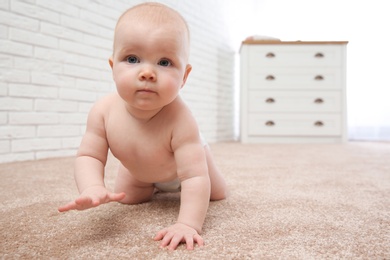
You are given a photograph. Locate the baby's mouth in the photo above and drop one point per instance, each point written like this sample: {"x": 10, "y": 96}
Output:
{"x": 146, "y": 90}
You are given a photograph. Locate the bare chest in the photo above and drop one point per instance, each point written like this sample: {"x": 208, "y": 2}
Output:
{"x": 143, "y": 149}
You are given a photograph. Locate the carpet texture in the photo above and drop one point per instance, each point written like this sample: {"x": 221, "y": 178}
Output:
{"x": 291, "y": 201}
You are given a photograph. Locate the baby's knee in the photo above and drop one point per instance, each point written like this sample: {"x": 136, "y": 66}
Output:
{"x": 219, "y": 195}
{"x": 133, "y": 201}
{"x": 137, "y": 196}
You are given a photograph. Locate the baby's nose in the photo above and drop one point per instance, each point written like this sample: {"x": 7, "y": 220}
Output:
{"x": 147, "y": 74}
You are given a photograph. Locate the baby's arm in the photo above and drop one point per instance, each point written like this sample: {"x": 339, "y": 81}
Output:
{"x": 90, "y": 162}
{"x": 195, "y": 185}
{"x": 195, "y": 197}
{"x": 91, "y": 186}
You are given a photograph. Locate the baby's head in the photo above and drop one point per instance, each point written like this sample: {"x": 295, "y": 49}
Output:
{"x": 151, "y": 16}
{"x": 151, "y": 49}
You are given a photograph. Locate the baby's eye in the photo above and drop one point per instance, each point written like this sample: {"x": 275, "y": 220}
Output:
{"x": 132, "y": 59}
{"x": 164, "y": 63}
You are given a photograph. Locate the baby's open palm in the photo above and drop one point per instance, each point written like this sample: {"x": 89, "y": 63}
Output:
{"x": 92, "y": 197}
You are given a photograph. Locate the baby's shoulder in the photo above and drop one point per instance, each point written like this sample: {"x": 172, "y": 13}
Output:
{"x": 179, "y": 107}
{"x": 178, "y": 113}
{"x": 106, "y": 102}
{"x": 183, "y": 117}
{"x": 103, "y": 106}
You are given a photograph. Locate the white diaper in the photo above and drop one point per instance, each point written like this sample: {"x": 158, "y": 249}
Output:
{"x": 202, "y": 139}
{"x": 171, "y": 186}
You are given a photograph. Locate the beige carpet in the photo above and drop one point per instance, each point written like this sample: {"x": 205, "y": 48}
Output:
{"x": 286, "y": 202}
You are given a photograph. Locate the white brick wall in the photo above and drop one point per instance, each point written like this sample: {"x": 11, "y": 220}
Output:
{"x": 54, "y": 65}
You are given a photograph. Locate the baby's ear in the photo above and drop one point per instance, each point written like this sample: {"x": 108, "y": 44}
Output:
{"x": 111, "y": 62}
{"x": 186, "y": 73}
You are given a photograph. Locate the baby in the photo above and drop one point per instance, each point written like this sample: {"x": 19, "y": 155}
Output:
{"x": 148, "y": 127}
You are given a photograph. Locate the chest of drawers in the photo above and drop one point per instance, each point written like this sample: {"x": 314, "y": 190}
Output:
{"x": 293, "y": 92}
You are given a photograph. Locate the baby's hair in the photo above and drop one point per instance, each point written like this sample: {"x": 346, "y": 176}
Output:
{"x": 156, "y": 13}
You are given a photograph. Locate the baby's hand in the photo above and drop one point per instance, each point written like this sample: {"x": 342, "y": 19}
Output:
{"x": 92, "y": 197}
{"x": 177, "y": 233}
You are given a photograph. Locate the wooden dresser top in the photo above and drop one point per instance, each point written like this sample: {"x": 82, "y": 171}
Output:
{"x": 251, "y": 41}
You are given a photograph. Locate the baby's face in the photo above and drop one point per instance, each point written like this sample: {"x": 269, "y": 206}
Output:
{"x": 149, "y": 63}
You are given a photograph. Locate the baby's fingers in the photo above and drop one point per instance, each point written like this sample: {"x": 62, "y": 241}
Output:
{"x": 78, "y": 204}
{"x": 178, "y": 233}
{"x": 192, "y": 239}
{"x": 174, "y": 241}
{"x": 67, "y": 207}
{"x": 168, "y": 239}
{"x": 86, "y": 202}
{"x": 160, "y": 235}
{"x": 199, "y": 240}
{"x": 189, "y": 241}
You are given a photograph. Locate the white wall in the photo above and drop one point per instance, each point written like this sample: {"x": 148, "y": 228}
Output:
{"x": 53, "y": 66}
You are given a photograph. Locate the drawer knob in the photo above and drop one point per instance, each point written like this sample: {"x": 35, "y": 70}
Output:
{"x": 318, "y": 123}
{"x": 319, "y": 77}
{"x": 270, "y": 77}
{"x": 270, "y": 55}
{"x": 270, "y": 100}
{"x": 319, "y": 55}
{"x": 318, "y": 101}
{"x": 269, "y": 123}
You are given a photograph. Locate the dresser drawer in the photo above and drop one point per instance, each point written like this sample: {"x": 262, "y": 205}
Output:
{"x": 294, "y": 124}
{"x": 276, "y": 78}
{"x": 294, "y": 101}
{"x": 294, "y": 55}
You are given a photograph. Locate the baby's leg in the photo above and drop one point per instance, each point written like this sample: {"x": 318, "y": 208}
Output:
{"x": 218, "y": 184}
{"x": 136, "y": 191}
